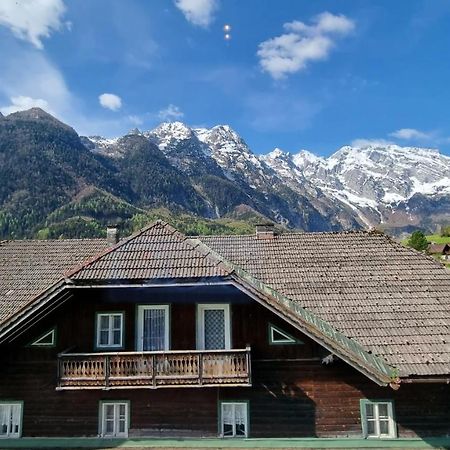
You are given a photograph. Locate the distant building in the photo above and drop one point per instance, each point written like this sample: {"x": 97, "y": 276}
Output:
{"x": 443, "y": 250}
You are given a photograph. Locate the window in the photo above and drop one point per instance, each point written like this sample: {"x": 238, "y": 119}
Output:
{"x": 10, "y": 420}
{"x": 278, "y": 336}
{"x": 213, "y": 327}
{"x": 114, "y": 419}
{"x": 48, "y": 339}
{"x": 109, "y": 330}
{"x": 377, "y": 418}
{"x": 153, "y": 328}
{"x": 233, "y": 419}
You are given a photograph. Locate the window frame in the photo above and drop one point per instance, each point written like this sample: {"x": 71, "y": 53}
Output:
{"x": 290, "y": 340}
{"x": 247, "y": 418}
{"x": 98, "y": 345}
{"x": 11, "y": 403}
{"x": 140, "y": 325}
{"x": 201, "y": 308}
{"x": 392, "y": 424}
{"x": 101, "y": 418}
{"x": 35, "y": 342}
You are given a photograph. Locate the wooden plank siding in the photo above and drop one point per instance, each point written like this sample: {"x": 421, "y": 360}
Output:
{"x": 292, "y": 395}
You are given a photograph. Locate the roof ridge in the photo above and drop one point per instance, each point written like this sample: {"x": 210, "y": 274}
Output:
{"x": 71, "y": 272}
{"x": 291, "y": 233}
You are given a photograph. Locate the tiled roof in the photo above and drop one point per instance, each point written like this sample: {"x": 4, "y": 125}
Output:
{"x": 29, "y": 267}
{"x": 392, "y": 300}
{"x": 159, "y": 252}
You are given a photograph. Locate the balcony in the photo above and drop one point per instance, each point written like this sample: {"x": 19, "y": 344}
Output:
{"x": 132, "y": 370}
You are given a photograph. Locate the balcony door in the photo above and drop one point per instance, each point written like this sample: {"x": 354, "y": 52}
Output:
{"x": 213, "y": 327}
{"x": 153, "y": 328}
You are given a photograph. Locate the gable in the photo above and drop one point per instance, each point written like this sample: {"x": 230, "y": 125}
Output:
{"x": 158, "y": 252}
{"x": 392, "y": 301}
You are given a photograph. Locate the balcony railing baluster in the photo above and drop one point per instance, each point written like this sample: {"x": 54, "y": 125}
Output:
{"x": 154, "y": 369}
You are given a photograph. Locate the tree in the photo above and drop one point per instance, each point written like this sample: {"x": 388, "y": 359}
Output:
{"x": 445, "y": 231}
{"x": 418, "y": 241}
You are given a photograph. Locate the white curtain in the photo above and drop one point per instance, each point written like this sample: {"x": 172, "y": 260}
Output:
{"x": 154, "y": 329}
{"x": 5, "y": 418}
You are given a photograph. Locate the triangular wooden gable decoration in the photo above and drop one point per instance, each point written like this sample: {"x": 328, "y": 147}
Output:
{"x": 48, "y": 339}
{"x": 278, "y": 336}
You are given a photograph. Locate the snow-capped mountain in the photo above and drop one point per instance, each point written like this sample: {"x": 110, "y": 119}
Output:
{"x": 356, "y": 186}
{"x": 375, "y": 181}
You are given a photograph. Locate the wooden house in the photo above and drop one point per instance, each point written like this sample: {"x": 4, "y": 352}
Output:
{"x": 443, "y": 250}
{"x": 162, "y": 335}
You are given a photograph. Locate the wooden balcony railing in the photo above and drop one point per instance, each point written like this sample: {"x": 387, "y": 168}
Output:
{"x": 131, "y": 370}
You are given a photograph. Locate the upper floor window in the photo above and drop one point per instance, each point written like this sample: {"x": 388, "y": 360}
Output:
{"x": 377, "y": 418}
{"x": 153, "y": 327}
{"x": 278, "y": 336}
{"x": 10, "y": 419}
{"x": 213, "y": 326}
{"x": 110, "y": 330}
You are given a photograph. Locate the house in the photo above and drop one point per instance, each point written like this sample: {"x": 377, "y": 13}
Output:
{"x": 264, "y": 336}
{"x": 440, "y": 249}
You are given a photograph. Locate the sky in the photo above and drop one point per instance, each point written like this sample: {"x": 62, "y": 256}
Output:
{"x": 301, "y": 74}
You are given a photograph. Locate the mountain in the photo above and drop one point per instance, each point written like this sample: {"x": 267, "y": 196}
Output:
{"x": 54, "y": 182}
{"x": 395, "y": 187}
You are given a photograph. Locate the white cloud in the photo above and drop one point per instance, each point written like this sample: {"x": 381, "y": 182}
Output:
{"x": 361, "y": 143}
{"x": 198, "y": 12}
{"x": 301, "y": 44}
{"x": 22, "y": 103}
{"x": 411, "y": 134}
{"x": 172, "y": 112}
{"x": 28, "y": 78}
{"x": 32, "y": 20}
{"x": 110, "y": 101}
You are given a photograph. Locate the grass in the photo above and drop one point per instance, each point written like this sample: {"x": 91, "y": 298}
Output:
{"x": 438, "y": 239}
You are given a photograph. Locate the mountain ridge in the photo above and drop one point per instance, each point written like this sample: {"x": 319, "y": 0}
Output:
{"x": 213, "y": 173}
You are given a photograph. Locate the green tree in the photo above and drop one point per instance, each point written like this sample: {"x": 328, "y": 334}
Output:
{"x": 445, "y": 231}
{"x": 418, "y": 241}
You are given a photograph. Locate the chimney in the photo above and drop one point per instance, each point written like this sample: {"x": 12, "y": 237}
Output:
{"x": 265, "y": 231}
{"x": 112, "y": 236}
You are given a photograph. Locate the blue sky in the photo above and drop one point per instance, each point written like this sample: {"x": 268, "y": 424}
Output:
{"x": 294, "y": 74}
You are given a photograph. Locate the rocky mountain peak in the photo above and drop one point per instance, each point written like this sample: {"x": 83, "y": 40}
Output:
{"x": 135, "y": 131}
{"x": 169, "y": 131}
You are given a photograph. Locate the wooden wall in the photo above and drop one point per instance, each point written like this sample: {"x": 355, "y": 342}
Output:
{"x": 292, "y": 398}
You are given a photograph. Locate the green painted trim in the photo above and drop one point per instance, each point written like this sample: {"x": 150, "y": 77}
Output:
{"x": 109, "y": 348}
{"x": 287, "y": 443}
{"x": 219, "y": 418}
{"x": 293, "y": 340}
{"x": 14, "y": 402}
{"x": 362, "y": 406}
{"x": 100, "y": 415}
{"x": 51, "y": 330}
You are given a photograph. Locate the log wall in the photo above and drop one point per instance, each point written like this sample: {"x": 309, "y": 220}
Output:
{"x": 293, "y": 394}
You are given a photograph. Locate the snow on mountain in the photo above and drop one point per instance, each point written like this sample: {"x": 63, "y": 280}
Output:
{"x": 372, "y": 178}
{"x": 369, "y": 182}
{"x": 234, "y": 156}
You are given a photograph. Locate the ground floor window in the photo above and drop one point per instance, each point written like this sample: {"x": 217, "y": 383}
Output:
{"x": 10, "y": 419}
{"x": 234, "y": 419}
{"x": 377, "y": 418}
{"x": 114, "y": 418}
